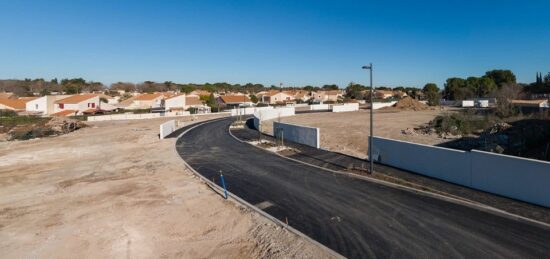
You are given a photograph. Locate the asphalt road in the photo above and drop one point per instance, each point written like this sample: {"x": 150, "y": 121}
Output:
{"x": 357, "y": 218}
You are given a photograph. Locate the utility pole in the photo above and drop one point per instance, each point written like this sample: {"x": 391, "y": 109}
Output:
{"x": 371, "y": 160}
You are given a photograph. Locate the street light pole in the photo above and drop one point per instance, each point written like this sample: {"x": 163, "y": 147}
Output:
{"x": 371, "y": 160}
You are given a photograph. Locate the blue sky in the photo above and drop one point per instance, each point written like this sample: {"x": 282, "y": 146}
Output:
{"x": 293, "y": 42}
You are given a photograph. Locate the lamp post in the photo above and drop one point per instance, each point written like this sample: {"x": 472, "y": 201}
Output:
{"x": 371, "y": 160}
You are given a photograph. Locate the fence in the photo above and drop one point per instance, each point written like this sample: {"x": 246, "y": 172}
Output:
{"x": 131, "y": 116}
{"x": 248, "y": 110}
{"x": 269, "y": 114}
{"x": 346, "y": 107}
{"x": 315, "y": 107}
{"x": 514, "y": 177}
{"x": 300, "y": 134}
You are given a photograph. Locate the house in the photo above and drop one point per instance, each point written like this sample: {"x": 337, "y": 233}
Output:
{"x": 175, "y": 103}
{"x": 276, "y": 97}
{"x": 76, "y": 105}
{"x": 44, "y": 105}
{"x": 15, "y": 104}
{"x": 231, "y": 101}
{"x": 194, "y": 102}
{"x": 300, "y": 95}
{"x": 327, "y": 95}
{"x": 146, "y": 101}
{"x": 531, "y": 105}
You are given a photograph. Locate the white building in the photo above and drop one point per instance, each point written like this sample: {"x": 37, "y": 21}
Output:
{"x": 44, "y": 105}
{"x": 175, "y": 103}
{"x": 76, "y": 105}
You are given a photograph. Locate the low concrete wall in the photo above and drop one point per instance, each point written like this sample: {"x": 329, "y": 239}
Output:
{"x": 514, "y": 177}
{"x": 377, "y": 106}
{"x": 167, "y": 128}
{"x": 346, "y": 107}
{"x": 261, "y": 115}
{"x": 315, "y": 107}
{"x": 442, "y": 163}
{"x": 248, "y": 110}
{"x": 131, "y": 116}
{"x": 300, "y": 134}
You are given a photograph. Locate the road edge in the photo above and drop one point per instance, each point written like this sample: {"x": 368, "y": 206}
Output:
{"x": 250, "y": 206}
{"x": 466, "y": 203}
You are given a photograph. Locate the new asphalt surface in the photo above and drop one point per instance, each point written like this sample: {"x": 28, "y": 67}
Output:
{"x": 354, "y": 217}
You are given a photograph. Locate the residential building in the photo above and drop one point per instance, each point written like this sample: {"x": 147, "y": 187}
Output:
{"x": 145, "y": 101}
{"x": 194, "y": 102}
{"x": 15, "y": 104}
{"x": 76, "y": 105}
{"x": 383, "y": 94}
{"x": 175, "y": 103}
{"x": 44, "y": 105}
{"x": 276, "y": 97}
{"x": 232, "y": 101}
{"x": 327, "y": 95}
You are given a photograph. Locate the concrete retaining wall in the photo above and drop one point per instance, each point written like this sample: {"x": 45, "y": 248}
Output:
{"x": 442, "y": 163}
{"x": 514, "y": 177}
{"x": 167, "y": 128}
{"x": 131, "y": 116}
{"x": 315, "y": 107}
{"x": 377, "y": 106}
{"x": 300, "y": 134}
{"x": 346, "y": 107}
{"x": 261, "y": 115}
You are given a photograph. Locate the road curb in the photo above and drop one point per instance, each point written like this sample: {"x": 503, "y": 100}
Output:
{"x": 236, "y": 198}
{"x": 466, "y": 203}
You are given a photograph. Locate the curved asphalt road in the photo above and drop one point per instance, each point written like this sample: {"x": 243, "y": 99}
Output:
{"x": 354, "y": 217}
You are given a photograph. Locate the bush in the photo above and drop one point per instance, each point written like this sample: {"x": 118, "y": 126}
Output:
{"x": 8, "y": 113}
{"x": 464, "y": 123}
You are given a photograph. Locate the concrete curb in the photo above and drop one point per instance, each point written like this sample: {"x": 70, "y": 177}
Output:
{"x": 466, "y": 203}
{"x": 252, "y": 207}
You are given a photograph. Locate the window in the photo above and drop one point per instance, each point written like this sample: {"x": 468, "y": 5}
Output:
{"x": 36, "y": 106}
{"x": 61, "y": 106}
{"x": 93, "y": 105}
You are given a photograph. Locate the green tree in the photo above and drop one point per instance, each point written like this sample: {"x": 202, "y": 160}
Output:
{"x": 486, "y": 86}
{"x": 452, "y": 86}
{"x": 501, "y": 76}
{"x": 330, "y": 87}
{"x": 253, "y": 98}
{"x": 431, "y": 91}
{"x": 212, "y": 102}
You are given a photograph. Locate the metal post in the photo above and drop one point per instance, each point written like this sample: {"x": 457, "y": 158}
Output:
{"x": 371, "y": 160}
{"x": 223, "y": 184}
{"x": 283, "y": 138}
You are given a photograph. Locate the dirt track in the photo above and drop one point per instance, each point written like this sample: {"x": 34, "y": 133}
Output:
{"x": 115, "y": 190}
{"x": 348, "y": 132}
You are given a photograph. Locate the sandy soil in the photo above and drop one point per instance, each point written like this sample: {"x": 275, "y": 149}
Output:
{"x": 115, "y": 190}
{"x": 348, "y": 132}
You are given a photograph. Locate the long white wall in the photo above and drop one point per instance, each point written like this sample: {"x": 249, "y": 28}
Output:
{"x": 140, "y": 116}
{"x": 268, "y": 114}
{"x": 377, "y": 106}
{"x": 248, "y": 110}
{"x": 315, "y": 107}
{"x": 514, "y": 177}
{"x": 346, "y": 107}
{"x": 300, "y": 134}
{"x": 167, "y": 128}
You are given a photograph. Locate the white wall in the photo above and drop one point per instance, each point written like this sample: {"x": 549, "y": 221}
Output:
{"x": 38, "y": 105}
{"x": 377, "y": 106}
{"x": 175, "y": 102}
{"x": 315, "y": 107}
{"x": 442, "y": 163}
{"x": 248, "y": 110}
{"x": 467, "y": 103}
{"x": 346, "y": 107}
{"x": 514, "y": 177}
{"x": 519, "y": 178}
{"x": 300, "y": 134}
{"x": 272, "y": 114}
{"x": 141, "y": 116}
{"x": 167, "y": 128}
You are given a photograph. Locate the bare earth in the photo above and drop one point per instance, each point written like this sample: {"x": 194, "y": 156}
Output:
{"x": 115, "y": 190}
{"x": 348, "y": 132}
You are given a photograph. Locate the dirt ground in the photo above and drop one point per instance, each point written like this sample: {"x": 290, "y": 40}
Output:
{"x": 348, "y": 132}
{"x": 114, "y": 190}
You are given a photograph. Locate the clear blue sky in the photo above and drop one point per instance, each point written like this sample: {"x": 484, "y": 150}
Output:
{"x": 294, "y": 42}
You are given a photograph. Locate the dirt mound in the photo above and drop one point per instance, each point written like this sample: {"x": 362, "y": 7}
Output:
{"x": 409, "y": 103}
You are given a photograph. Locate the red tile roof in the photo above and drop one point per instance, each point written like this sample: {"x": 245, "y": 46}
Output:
{"x": 76, "y": 98}
{"x": 235, "y": 98}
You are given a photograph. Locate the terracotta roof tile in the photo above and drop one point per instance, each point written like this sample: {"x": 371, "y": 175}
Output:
{"x": 76, "y": 98}
{"x": 234, "y": 98}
